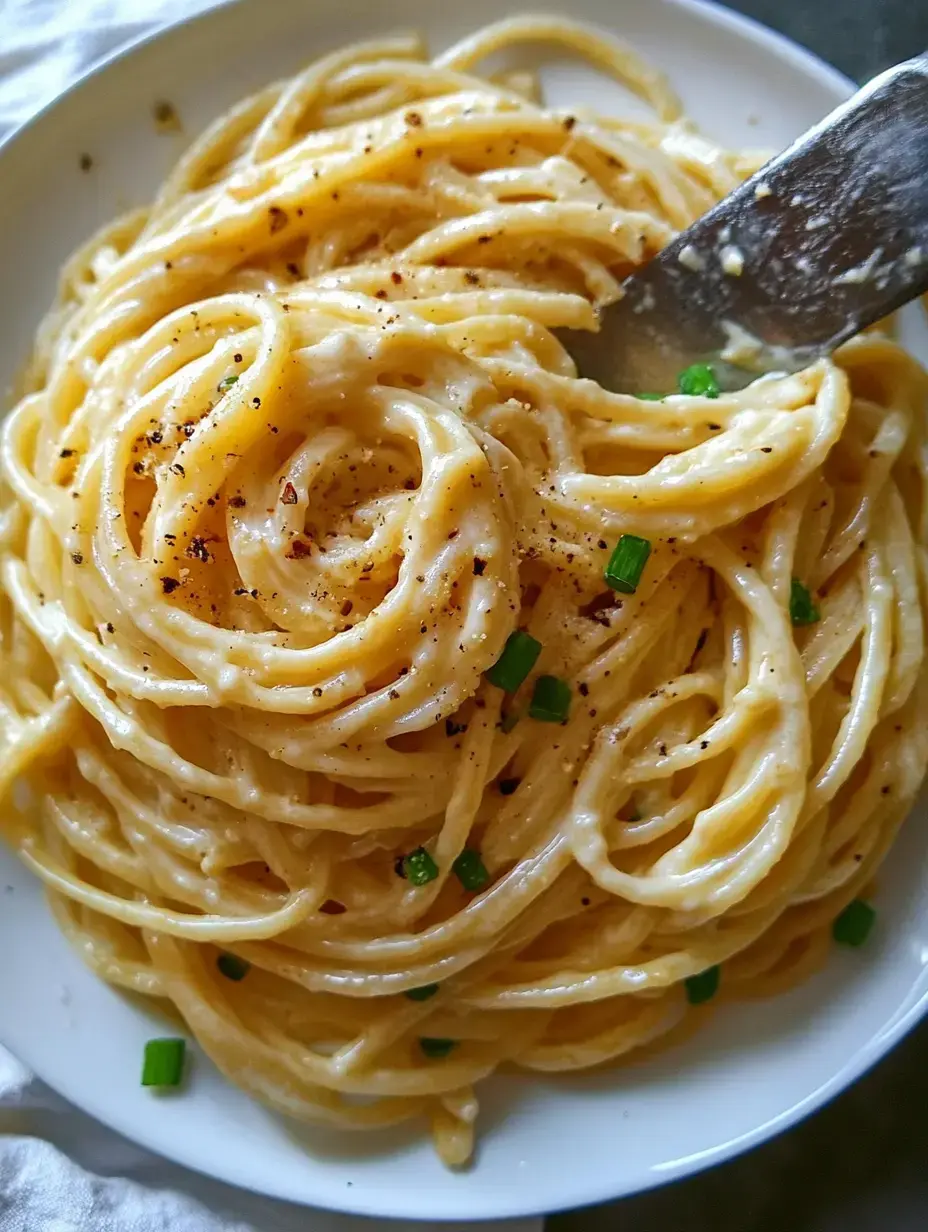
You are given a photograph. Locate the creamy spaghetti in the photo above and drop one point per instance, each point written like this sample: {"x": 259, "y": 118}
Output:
{"x": 300, "y": 455}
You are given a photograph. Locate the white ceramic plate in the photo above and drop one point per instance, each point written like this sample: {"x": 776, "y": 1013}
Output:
{"x": 543, "y": 1144}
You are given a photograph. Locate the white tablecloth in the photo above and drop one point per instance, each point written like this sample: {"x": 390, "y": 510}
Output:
{"x": 59, "y": 1170}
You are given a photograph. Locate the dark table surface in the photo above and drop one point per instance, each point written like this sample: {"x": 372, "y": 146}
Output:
{"x": 861, "y": 1164}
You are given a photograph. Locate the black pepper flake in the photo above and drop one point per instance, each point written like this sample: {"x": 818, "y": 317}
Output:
{"x": 394, "y": 693}
{"x": 766, "y": 449}
{"x": 317, "y": 692}
{"x": 289, "y": 496}
{"x": 155, "y": 438}
{"x": 454, "y": 729}
{"x": 508, "y": 786}
{"x": 662, "y": 749}
{"x": 569, "y": 123}
{"x": 484, "y": 239}
{"x": 453, "y": 534}
{"x": 198, "y": 549}
{"x": 602, "y": 545}
{"x": 704, "y": 744}
{"x": 346, "y": 607}
{"x": 169, "y": 585}
{"x": 396, "y": 277}
{"x": 471, "y": 277}
{"x": 583, "y": 689}
{"x": 109, "y": 627}
{"x": 77, "y": 558}
{"x": 178, "y": 469}
{"x": 139, "y": 468}
{"x": 256, "y": 402}
{"x": 67, "y": 453}
{"x": 86, "y": 162}
{"x": 278, "y": 218}
{"x": 479, "y": 566}
{"x": 166, "y": 116}
{"x": 238, "y": 358}
{"x": 293, "y": 269}
{"x": 713, "y": 427}
{"x": 584, "y": 902}
{"x": 413, "y": 119}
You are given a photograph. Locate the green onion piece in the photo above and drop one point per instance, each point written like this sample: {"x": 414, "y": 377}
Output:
{"x": 421, "y": 994}
{"x": 626, "y": 564}
{"x": 550, "y": 700}
{"x": 802, "y": 609}
{"x": 419, "y": 867}
{"x": 699, "y": 380}
{"x": 471, "y": 870}
{"x": 520, "y": 654}
{"x": 853, "y": 925}
{"x": 703, "y": 987}
{"x": 650, "y": 397}
{"x": 436, "y": 1047}
{"x": 233, "y": 967}
{"x": 164, "y": 1062}
{"x": 226, "y": 383}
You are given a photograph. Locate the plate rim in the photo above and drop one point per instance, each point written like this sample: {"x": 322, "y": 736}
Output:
{"x": 587, "y": 1194}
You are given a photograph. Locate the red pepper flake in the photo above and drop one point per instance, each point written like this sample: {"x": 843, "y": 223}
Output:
{"x": 169, "y": 585}
{"x": 396, "y": 277}
{"x": 299, "y": 550}
{"x": 381, "y": 294}
{"x": 278, "y": 217}
{"x": 289, "y": 496}
{"x": 413, "y": 119}
{"x": 346, "y": 607}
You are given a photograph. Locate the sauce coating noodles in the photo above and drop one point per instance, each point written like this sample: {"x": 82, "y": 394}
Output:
{"x": 300, "y": 453}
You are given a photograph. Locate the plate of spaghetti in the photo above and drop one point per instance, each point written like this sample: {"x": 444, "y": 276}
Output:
{"x": 459, "y": 790}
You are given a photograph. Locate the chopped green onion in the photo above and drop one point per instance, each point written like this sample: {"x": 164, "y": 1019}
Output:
{"x": 703, "y": 987}
{"x": 419, "y": 867}
{"x": 423, "y": 993}
{"x": 471, "y": 870}
{"x": 520, "y": 654}
{"x": 164, "y": 1062}
{"x": 436, "y": 1047}
{"x": 626, "y": 564}
{"x": 226, "y": 383}
{"x": 233, "y": 967}
{"x": 802, "y": 609}
{"x": 699, "y": 380}
{"x": 650, "y": 397}
{"x": 550, "y": 700}
{"x": 853, "y": 925}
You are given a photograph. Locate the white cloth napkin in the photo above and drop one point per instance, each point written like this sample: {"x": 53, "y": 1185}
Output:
{"x": 60, "y": 1171}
